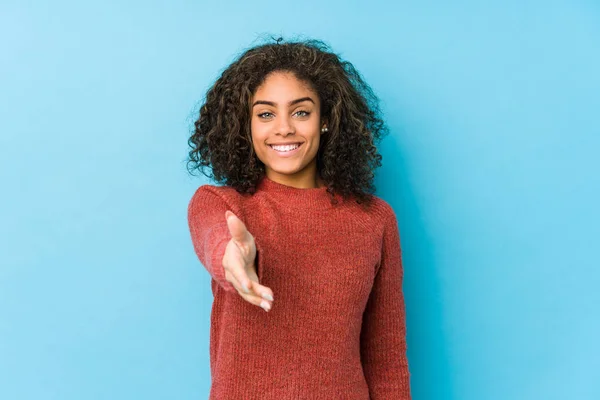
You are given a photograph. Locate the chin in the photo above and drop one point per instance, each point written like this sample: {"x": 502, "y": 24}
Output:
{"x": 285, "y": 171}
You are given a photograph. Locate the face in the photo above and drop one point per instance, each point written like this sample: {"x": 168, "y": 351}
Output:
{"x": 286, "y": 128}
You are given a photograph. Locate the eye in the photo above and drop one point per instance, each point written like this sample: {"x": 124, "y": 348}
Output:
{"x": 262, "y": 115}
{"x": 303, "y": 113}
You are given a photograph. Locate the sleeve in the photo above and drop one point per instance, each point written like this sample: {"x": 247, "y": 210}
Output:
{"x": 209, "y": 232}
{"x": 383, "y": 333}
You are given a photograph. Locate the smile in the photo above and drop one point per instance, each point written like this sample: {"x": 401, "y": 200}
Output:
{"x": 286, "y": 150}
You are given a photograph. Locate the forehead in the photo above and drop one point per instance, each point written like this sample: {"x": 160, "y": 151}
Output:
{"x": 284, "y": 85}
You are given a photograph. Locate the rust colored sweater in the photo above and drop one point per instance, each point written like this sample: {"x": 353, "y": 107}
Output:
{"x": 337, "y": 326}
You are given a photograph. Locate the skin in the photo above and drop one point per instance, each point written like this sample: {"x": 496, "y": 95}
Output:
{"x": 277, "y": 117}
{"x": 239, "y": 264}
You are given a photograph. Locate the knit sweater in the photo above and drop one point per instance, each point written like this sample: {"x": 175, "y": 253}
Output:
{"x": 337, "y": 326}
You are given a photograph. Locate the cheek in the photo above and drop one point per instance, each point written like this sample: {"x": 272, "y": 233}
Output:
{"x": 258, "y": 139}
{"x": 258, "y": 128}
{"x": 316, "y": 140}
{"x": 255, "y": 132}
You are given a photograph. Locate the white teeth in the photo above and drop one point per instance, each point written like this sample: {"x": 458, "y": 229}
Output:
{"x": 285, "y": 148}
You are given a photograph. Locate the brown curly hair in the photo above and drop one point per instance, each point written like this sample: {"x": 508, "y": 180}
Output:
{"x": 221, "y": 139}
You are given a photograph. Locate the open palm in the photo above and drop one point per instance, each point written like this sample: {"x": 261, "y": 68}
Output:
{"x": 239, "y": 263}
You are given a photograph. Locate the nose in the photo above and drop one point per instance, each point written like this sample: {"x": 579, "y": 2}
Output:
{"x": 285, "y": 126}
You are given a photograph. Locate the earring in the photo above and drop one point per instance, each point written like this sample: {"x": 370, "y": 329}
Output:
{"x": 323, "y": 130}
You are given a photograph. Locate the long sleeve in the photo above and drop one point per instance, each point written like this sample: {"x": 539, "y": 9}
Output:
{"x": 209, "y": 232}
{"x": 383, "y": 333}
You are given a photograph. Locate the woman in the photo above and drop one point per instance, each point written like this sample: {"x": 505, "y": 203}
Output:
{"x": 290, "y": 130}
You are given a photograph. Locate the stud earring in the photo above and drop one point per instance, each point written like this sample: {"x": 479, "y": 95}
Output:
{"x": 323, "y": 130}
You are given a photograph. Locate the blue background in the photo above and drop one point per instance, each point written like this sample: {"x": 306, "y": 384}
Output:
{"x": 492, "y": 168}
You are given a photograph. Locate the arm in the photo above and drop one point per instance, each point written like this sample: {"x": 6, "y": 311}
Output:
{"x": 383, "y": 334}
{"x": 209, "y": 232}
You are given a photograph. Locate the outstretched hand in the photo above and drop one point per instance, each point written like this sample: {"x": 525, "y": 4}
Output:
{"x": 239, "y": 263}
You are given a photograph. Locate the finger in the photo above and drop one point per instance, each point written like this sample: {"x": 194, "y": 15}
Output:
{"x": 257, "y": 301}
{"x": 237, "y": 228}
{"x": 239, "y": 274}
{"x": 263, "y": 291}
{"x": 231, "y": 279}
{"x": 249, "y": 297}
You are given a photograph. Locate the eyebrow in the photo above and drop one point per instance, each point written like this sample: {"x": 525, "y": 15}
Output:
{"x": 291, "y": 103}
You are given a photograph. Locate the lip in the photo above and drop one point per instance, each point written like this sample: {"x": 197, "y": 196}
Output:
{"x": 286, "y": 153}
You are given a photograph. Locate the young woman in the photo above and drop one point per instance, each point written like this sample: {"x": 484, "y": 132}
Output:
{"x": 305, "y": 260}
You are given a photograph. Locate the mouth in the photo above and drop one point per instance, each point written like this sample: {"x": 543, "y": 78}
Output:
{"x": 286, "y": 150}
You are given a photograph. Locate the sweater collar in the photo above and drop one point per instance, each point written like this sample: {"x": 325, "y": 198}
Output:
{"x": 314, "y": 198}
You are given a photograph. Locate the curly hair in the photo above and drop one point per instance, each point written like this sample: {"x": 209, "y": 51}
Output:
{"x": 347, "y": 156}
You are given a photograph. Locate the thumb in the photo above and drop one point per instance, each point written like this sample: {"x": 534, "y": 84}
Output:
{"x": 237, "y": 228}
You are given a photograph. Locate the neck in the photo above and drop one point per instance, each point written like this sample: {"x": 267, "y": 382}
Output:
{"x": 305, "y": 180}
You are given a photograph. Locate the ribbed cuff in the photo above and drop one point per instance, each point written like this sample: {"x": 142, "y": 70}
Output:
{"x": 217, "y": 271}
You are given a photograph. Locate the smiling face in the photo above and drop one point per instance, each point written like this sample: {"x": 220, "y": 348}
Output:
{"x": 286, "y": 128}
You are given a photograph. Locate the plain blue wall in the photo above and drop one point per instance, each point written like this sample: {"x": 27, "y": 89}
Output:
{"x": 491, "y": 166}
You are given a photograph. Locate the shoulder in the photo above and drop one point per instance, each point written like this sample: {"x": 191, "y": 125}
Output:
{"x": 381, "y": 210}
{"x": 207, "y": 195}
{"x": 388, "y": 223}
{"x": 213, "y": 190}
{"x": 377, "y": 218}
